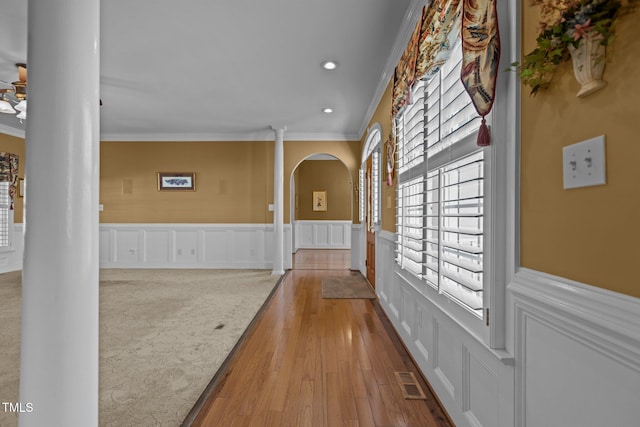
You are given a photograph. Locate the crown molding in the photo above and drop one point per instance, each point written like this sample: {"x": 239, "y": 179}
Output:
{"x": 8, "y": 130}
{"x": 414, "y": 12}
{"x": 263, "y": 135}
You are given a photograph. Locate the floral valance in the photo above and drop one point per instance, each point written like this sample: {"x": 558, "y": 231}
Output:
{"x": 442, "y": 23}
{"x": 440, "y": 29}
{"x": 9, "y": 172}
{"x": 428, "y": 49}
{"x": 405, "y": 72}
{"x": 481, "y": 57}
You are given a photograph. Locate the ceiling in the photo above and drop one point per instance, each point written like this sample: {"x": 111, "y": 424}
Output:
{"x": 230, "y": 69}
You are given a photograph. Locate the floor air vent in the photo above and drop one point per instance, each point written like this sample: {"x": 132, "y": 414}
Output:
{"x": 409, "y": 385}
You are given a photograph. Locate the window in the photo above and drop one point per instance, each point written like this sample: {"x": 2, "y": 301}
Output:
{"x": 375, "y": 186}
{"x": 363, "y": 194}
{"x": 370, "y": 203}
{"x": 440, "y": 200}
{"x": 5, "y": 204}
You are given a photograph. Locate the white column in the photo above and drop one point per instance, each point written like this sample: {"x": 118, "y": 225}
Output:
{"x": 59, "y": 347}
{"x": 278, "y": 190}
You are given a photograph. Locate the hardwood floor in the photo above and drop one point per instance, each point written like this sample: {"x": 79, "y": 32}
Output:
{"x": 309, "y": 361}
{"x": 322, "y": 259}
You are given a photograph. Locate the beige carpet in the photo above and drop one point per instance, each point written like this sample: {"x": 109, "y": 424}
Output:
{"x": 163, "y": 335}
{"x": 346, "y": 287}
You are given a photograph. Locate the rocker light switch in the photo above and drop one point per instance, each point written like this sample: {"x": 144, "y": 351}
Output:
{"x": 583, "y": 163}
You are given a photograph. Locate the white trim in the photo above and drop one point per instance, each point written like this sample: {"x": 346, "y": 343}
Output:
{"x": 504, "y": 260}
{"x": 230, "y": 246}
{"x": 356, "y": 246}
{"x": 371, "y": 143}
{"x": 257, "y": 135}
{"x": 473, "y": 382}
{"x": 322, "y": 234}
{"x": 594, "y": 339}
{"x": 613, "y": 317}
{"x": 572, "y": 339}
{"x": 9, "y": 130}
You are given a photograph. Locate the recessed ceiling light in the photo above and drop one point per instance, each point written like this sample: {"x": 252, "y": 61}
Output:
{"x": 327, "y": 110}
{"x": 329, "y": 65}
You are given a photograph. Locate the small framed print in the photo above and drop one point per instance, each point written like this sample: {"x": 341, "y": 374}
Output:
{"x": 319, "y": 200}
{"x": 176, "y": 181}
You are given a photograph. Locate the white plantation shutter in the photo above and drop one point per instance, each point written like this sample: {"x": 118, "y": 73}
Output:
{"x": 410, "y": 131}
{"x": 450, "y": 116}
{"x": 441, "y": 189}
{"x": 433, "y": 228}
{"x": 461, "y": 230}
{"x": 410, "y": 220}
{"x": 5, "y": 204}
{"x": 363, "y": 194}
{"x": 375, "y": 186}
{"x": 410, "y": 227}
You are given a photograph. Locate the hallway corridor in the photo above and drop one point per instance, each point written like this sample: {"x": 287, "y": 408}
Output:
{"x": 308, "y": 361}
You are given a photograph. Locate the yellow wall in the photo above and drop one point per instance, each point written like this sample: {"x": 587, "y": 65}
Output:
{"x": 382, "y": 115}
{"x": 234, "y": 182}
{"x": 12, "y": 144}
{"x": 323, "y": 175}
{"x": 589, "y": 234}
{"x": 348, "y": 152}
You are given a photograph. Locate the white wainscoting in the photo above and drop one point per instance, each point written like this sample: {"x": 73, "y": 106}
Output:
{"x": 11, "y": 258}
{"x": 578, "y": 353}
{"x": 474, "y": 384}
{"x": 190, "y": 246}
{"x": 572, "y": 358}
{"x": 175, "y": 246}
{"x": 322, "y": 235}
{"x": 357, "y": 253}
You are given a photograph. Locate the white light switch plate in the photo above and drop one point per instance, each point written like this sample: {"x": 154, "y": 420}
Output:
{"x": 583, "y": 164}
{"x": 271, "y": 207}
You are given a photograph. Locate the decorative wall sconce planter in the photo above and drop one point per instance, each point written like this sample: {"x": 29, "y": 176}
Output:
{"x": 578, "y": 30}
{"x": 588, "y": 63}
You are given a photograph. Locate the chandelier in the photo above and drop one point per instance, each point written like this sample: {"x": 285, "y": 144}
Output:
{"x": 13, "y": 96}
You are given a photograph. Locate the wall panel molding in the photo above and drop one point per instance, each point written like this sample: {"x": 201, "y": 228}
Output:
{"x": 473, "y": 382}
{"x": 357, "y": 253}
{"x": 322, "y": 234}
{"x": 572, "y": 358}
{"x": 174, "y": 246}
{"x": 190, "y": 246}
{"x": 577, "y": 350}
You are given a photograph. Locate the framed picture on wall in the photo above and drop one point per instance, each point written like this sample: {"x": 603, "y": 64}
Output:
{"x": 319, "y": 200}
{"x": 176, "y": 181}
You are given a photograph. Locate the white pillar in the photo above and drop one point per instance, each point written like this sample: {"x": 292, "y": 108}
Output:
{"x": 59, "y": 347}
{"x": 278, "y": 190}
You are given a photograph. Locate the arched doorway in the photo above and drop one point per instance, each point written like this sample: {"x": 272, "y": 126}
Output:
{"x": 321, "y": 206}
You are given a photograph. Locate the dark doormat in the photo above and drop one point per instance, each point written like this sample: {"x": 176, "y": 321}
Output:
{"x": 346, "y": 287}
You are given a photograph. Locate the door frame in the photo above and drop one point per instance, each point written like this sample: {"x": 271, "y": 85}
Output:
{"x": 372, "y": 143}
